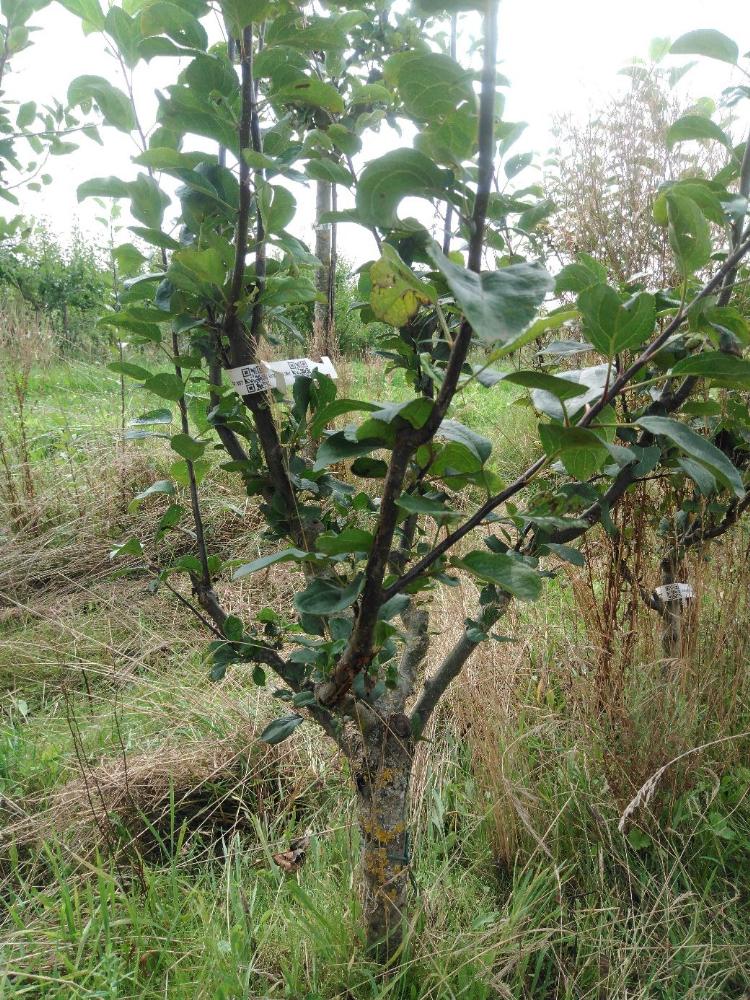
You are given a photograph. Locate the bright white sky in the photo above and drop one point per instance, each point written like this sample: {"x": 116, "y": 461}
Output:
{"x": 560, "y": 57}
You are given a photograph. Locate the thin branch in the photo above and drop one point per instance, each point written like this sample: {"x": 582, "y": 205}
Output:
{"x": 435, "y": 686}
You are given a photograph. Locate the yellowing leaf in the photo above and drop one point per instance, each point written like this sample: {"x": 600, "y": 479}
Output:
{"x": 396, "y": 292}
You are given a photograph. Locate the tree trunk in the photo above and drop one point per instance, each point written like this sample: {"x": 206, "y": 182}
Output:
{"x": 322, "y": 318}
{"x": 382, "y": 770}
{"x": 671, "y": 630}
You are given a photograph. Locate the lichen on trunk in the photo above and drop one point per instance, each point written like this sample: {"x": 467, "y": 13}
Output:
{"x": 381, "y": 768}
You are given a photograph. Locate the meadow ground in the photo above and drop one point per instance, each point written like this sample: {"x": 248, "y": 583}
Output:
{"x": 143, "y": 826}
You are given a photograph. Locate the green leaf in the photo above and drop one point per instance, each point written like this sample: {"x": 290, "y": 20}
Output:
{"x": 315, "y": 93}
{"x": 724, "y": 369}
{"x": 566, "y": 552}
{"x": 581, "y": 451}
{"x": 162, "y": 486}
{"x": 581, "y": 275}
{"x": 701, "y": 193}
{"x": 689, "y": 234}
{"x": 171, "y": 19}
{"x": 285, "y": 555}
{"x": 396, "y": 293}
{"x": 500, "y": 304}
{"x": 125, "y": 33}
{"x": 613, "y": 327}
{"x": 88, "y": 10}
{"x": 179, "y": 471}
{"x": 103, "y": 187}
{"x": 204, "y": 266}
{"x": 696, "y": 127}
{"x": 241, "y": 13}
{"x": 432, "y": 85}
{"x": 281, "y": 729}
{"x": 152, "y": 417}
{"x": 426, "y": 506}
{"x": 129, "y": 259}
{"x": 233, "y": 628}
{"x": 165, "y": 384}
{"x": 452, "y": 430}
{"x": 113, "y": 103}
{"x": 155, "y": 237}
{"x": 344, "y": 542}
{"x": 707, "y": 42}
{"x": 516, "y": 164}
{"x": 399, "y": 174}
{"x": 337, "y": 408}
{"x": 187, "y": 447}
{"x": 147, "y": 201}
{"x": 328, "y": 170}
{"x": 698, "y": 448}
{"x": 338, "y": 448}
{"x": 324, "y": 597}
{"x": 131, "y": 547}
{"x": 504, "y": 571}
{"x": 561, "y": 388}
{"x": 26, "y": 114}
{"x": 132, "y": 371}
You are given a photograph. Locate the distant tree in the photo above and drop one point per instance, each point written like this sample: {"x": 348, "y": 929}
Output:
{"x": 608, "y": 170}
{"x": 65, "y": 284}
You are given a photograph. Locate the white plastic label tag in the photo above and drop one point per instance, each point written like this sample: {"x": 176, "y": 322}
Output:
{"x": 276, "y": 374}
{"x": 675, "y": 592}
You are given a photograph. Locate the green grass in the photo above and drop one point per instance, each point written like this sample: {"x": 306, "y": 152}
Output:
{"x": 524, "y": 886}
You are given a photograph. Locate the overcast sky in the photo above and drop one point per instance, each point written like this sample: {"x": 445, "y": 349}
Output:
{"x": 560, "y": 57}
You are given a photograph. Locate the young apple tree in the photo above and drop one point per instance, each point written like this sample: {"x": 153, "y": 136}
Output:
{"x": 356, "y": 661}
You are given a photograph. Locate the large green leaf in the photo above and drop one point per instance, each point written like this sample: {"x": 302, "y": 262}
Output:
{"x": 103, "y": 187}
{"x": 171, "y": 19}
{"x": 505, "y": 571}
{"x": 707, "y": 42}
{"x": 344, "y": 542}
{"x": 580, "y": 450}
{"x": 329, "y": 170}
{"x": 725, "y": 369}
{"x": 285, "y": 555}
{"x": 432, "y": 85}
{"x": 313, "y": 92}
{"x": 500, "y": 304}
{"x": 123, "y": 29}
{"x": 241, "y": 13}
{"x": 187, "y": 447}
{"x": 689, "y": 233}
{"x": 324, "y": 597}
{"x": 281, "y": 729}
{"x": 698, "y": 448}
{"x": 165, "y": 384}
{"x": 113, "y": 103}
{"x": 147, "y": 201}
{"x": 613, "y": 327}
{"x": 339, "y": 448}
{"x": 580, "y": 275}
{"x": 696, "y": 127}
{"x": 399, "y": 174}
{"x": 89, "y": 11}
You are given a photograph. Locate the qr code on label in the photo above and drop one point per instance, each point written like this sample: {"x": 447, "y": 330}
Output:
{"x": 300, "y": 369}
{"x": 255, "y": 379}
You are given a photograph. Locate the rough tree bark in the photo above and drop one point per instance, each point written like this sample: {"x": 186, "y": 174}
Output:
{"x": 381, "y": 770}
